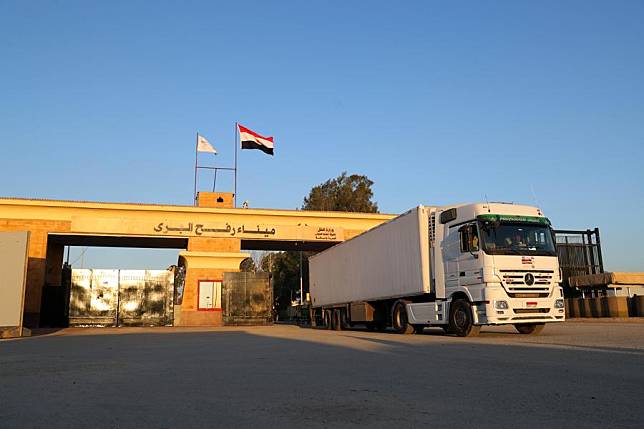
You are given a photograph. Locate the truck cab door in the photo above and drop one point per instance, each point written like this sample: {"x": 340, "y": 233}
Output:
{"x": 451, "y": 254}
{"x": 469, "y": 264}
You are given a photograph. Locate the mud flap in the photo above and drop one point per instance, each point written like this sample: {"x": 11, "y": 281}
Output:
{"x": 478, "y": 314}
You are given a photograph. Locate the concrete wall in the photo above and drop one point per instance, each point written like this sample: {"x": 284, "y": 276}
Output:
{"x": 13, "y": 272}
{"x": 37, "y": 263}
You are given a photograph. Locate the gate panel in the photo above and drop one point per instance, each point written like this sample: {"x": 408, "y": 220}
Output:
{"x": 157, "y": 299}
{"x": 247, "y": 299}
{"x": 142, "y": 298}
{"x": 79, "y": 297}
{"x": 131, "y": 285}
{"x": 93, "y": 298}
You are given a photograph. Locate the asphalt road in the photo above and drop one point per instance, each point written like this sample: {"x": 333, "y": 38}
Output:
{"x": 573, "y": 375}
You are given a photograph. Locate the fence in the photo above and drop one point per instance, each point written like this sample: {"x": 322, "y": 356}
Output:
{"x": 579, "y": 253}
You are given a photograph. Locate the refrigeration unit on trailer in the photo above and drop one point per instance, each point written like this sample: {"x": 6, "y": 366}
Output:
{"x": 457, "y": 267}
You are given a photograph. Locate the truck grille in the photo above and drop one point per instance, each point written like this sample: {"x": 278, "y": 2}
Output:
{"x": 515, "y": 280}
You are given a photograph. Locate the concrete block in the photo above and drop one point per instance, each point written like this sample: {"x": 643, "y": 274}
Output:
{"x": 14, "y": 332}
{"x": 632, "y": 306}
{"x": 570, "y": 308}
{"x": 617, "y": 306}
{"x": 639, "y": 305}
{"x": 579, "y": 307}
{"x": 595, "y": 306}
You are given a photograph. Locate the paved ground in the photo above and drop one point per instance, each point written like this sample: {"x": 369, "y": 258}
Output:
{"x": 576, "y": 374}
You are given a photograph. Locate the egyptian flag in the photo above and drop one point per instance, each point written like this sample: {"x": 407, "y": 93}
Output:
{"x": 251, "y": 140}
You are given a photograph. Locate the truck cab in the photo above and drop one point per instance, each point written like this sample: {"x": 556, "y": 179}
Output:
{"x": 495, "y": 263}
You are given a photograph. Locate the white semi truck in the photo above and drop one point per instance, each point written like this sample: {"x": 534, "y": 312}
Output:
{"x": 456, "y": 267}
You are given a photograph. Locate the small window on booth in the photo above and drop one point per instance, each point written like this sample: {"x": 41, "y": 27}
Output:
{"x": 209, "y": 295}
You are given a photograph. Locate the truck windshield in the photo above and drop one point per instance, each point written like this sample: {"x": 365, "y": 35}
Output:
{"x": 516, "y": 238}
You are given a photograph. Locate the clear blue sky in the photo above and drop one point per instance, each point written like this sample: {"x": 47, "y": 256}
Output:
{"x": 437, "y": 102}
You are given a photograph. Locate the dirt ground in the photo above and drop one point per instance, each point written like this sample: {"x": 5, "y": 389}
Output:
{"x": 585, "y": 374}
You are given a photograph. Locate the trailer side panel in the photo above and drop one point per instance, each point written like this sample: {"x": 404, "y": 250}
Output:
{"x": 389, "y": 261}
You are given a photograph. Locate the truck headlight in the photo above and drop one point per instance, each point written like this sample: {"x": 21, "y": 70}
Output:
{"x": 559, "y": 303}
{"x": 501, "y": 305}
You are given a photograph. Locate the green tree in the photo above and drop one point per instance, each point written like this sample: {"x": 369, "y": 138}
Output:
{"x": 248, "y": 265}
{"x": 285, "y": 271}
{"x": 344, "y": 193}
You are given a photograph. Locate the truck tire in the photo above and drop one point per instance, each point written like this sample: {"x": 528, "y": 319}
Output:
{"x": 461, "y": 322}
{"x": 399, "y": 319}
{"x": 327, "y": 319}
{"x": 312, "y": 317}
{"x": 337, "y": 320}
{"x": 530, "y": 328}
{"x": 344, "y": 320}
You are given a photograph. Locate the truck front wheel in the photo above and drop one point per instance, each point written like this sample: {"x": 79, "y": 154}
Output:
{"x": 530, "y": 328}
{"x": 399, "y": 319}
{"x": 461, "y": 322}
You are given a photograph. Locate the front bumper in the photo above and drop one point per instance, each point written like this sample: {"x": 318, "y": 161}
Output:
{"x": 520, "y": 310}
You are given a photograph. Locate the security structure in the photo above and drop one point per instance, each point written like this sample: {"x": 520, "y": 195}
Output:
{"x": 211, "y": 235}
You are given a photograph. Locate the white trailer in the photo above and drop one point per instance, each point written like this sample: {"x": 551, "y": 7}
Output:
{"x": 457, "y": 267}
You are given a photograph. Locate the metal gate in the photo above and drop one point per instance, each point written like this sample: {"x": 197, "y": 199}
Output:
{"x": 121, "y": 298}
{"x": 247, "y": 299}
{"x": 579, "y": 253}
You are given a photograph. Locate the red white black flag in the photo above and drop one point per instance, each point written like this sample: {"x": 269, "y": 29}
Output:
{"x": 251, "y": 140}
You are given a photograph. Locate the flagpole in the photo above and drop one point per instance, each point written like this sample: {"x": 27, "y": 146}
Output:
{"x": 235, "y": 196}
{"x": 194, "y": 193}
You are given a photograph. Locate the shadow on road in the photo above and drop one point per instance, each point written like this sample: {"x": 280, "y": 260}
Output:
{"x": 283, "y": 376}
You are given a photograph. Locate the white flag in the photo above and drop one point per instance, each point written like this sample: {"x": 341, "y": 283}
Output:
{"x": 204, "y": 146}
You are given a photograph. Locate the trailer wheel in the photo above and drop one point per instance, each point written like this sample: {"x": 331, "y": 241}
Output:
{"x": 381, "y": 326}
{"x": 461, "y": 322}
{"x": 530, "y": 328}
{"x": 337, "y": 320}
{"x": 326, "y": 318}
{"x": 399, "y": 319}
{"x": 343, "y": 319}
{"x": 312, "y": 317}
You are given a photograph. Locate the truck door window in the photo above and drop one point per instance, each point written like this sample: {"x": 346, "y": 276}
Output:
{"x": 474, "y": 239}
{"x": 469, "y": 238}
